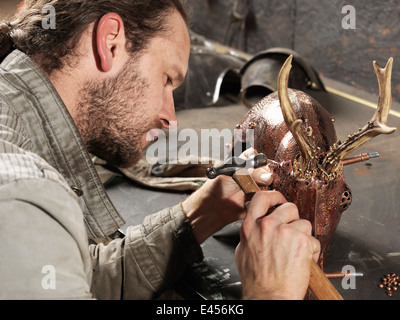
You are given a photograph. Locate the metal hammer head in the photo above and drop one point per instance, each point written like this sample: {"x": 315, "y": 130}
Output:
{"x": 230, "y": 166}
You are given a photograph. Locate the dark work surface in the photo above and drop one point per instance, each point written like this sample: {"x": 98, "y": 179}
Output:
{"x": 368, "y": 236}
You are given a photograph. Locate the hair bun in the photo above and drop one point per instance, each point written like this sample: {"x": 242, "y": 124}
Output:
{"x": 6, "y": 42}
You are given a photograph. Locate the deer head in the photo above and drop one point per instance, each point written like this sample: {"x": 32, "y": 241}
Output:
{"x": 291, "y": 128}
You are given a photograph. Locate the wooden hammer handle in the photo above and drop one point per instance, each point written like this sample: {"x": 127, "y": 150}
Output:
{"x": 319, "y": 285}
{"x": 246, "y": 182}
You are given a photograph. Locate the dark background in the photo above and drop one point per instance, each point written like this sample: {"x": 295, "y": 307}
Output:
{"x": 310, "y": 27}
{"x": 313, "y": 29}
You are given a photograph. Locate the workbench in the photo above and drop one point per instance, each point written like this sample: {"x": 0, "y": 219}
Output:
{"x": 368, "y": 236}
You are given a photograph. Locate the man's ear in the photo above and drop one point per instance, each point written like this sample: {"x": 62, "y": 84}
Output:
{"x": 110, "y": 40}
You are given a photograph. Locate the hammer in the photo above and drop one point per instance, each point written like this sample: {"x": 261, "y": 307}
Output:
{"x": 319, "y": 285}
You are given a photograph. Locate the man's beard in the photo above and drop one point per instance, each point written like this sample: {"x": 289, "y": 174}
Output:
{"x": 111, "y": 117}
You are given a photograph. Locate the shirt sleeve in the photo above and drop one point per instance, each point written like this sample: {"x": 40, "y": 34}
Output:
{"x": 148, "y": 260}
{"x": 45, "y": 252}
{"x": 43, "y": 243}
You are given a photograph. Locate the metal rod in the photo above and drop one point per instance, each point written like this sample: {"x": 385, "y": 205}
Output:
{"x": 338, "y": 275}
{"x": 360, "y": 158}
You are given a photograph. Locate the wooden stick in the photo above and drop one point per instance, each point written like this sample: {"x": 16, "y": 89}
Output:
{"x": 319, "y": 285}
{"x": 246, "y": 183}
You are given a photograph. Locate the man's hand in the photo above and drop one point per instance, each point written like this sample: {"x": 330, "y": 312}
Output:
{"x": 275, "y": 251}
{"x": 220, "y": 201}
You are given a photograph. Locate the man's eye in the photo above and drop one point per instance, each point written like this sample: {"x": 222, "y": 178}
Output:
{"x": 169, "y": 81}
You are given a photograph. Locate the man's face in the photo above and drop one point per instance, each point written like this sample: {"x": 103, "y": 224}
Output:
{"x": 116, "y": 115}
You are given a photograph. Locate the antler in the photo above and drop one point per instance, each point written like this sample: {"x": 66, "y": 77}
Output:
{"x": 376, "y": 126}
{"x": 300, "y": 134}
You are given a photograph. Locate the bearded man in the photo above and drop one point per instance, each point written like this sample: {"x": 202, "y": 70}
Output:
{"x": 97, "y": 84}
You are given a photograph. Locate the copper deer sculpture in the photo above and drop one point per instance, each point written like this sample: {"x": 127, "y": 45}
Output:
{"x": 295, "y": 131}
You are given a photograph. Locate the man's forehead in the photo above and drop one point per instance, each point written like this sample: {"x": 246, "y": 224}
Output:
{"x": 179, "y": 52}
{"x": 172, "y": 49}
{"x": 179, "y": 36}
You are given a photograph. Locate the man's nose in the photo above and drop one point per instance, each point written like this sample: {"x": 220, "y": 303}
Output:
{"x": 167, "y": 114}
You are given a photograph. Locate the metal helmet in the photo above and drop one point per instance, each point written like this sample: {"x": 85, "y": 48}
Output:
{"x": 260, "y": 74}
{"x": 214, "y": 69}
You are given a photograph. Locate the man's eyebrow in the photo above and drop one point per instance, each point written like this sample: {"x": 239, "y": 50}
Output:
{"x": 180, "y": 77}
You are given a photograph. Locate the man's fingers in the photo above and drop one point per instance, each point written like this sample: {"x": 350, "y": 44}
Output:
{"x": 316, "y": 245}
{"x": 305, "y": 227}
{"x": 262, "y": 201}
{"x": 262, "y": 176}
{"x": 247, "y": 153}
{"x": 302, "y": 225}
{"x": 285, "y": 213}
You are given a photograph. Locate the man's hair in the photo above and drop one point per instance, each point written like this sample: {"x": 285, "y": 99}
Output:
{"x": 143, "y": 19}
